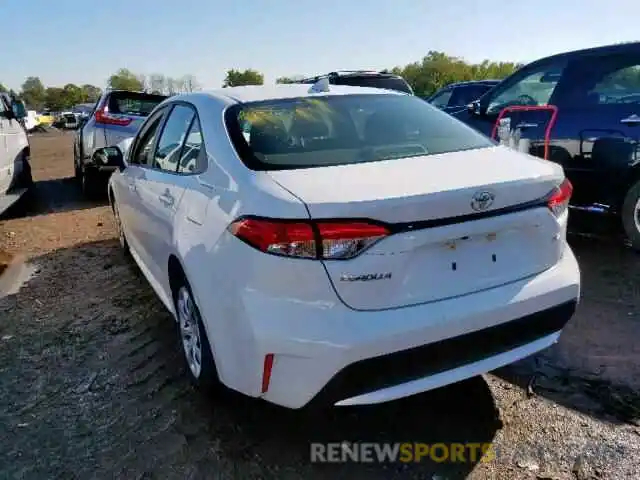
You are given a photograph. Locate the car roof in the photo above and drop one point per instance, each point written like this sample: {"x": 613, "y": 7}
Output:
{"x": 257, "y": 93}
{"x": 601, "y": 50}
{"x": 351, "y": 74}
{"x": 474, "y": 82}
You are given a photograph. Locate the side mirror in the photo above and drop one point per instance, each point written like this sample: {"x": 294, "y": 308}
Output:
{"x": 109, "y": 157}
{"x": 19, "y": 110}
{"x": 474, "y": 107}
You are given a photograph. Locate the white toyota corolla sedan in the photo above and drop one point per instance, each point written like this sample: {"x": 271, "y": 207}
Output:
{"x": 341, "y": 245}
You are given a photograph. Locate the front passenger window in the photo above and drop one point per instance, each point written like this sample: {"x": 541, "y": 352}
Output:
{"x": 534, "y": 89}
{"x": 142, "y": 153}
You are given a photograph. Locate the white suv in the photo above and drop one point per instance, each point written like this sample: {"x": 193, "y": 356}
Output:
{"x": 15, "y": 171}
{"x": 342, "y": 244}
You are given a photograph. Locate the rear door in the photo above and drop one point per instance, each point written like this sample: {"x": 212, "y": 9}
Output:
{"x": 124, "y": 113}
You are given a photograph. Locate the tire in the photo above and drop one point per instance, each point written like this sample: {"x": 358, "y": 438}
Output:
{"x": 121, "y": 235}
{"x": 631, "y": 216}
{"x": 193, "y": 340}
{"x": 89, "y": 182}
{"x": 77, "y": 170}
{"x": 26, "y": 179}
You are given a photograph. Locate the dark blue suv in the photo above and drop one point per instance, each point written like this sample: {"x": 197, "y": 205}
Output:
{"x": 596, "y": 135}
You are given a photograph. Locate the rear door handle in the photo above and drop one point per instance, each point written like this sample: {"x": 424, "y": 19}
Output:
{"x": 632, "y": 120}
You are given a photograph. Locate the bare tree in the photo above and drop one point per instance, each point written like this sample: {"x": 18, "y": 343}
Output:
{"x": 144, "y": 81}
{"x": 171, "y": 86}
{"x": 157, "y": 82}
{"x": 190, "y": 84}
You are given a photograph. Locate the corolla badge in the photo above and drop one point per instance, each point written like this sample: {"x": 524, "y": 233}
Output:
{"x": 367, "y": 277}
{"x": 482, "y": 200}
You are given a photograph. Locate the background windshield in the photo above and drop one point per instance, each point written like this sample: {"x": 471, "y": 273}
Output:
{"x": 344, "y": 129}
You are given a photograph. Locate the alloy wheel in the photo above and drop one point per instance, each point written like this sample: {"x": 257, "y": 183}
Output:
{"x": 189, "y": 331}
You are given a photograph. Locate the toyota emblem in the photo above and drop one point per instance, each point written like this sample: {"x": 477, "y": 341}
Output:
{"x": 482, "y": 200}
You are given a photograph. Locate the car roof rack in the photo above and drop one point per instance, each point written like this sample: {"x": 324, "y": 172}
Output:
{"x": 338, "y": 73}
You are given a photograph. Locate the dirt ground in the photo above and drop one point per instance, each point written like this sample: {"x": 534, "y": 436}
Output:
{"x": 92, "y": 384}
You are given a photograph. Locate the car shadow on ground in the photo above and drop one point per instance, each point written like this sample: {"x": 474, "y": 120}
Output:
{"x": 52, "y": 196}
{"x": 595, "y": 367}
{"x": 104, "y": 357}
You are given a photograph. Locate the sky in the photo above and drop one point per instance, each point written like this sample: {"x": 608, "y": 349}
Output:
{"x": 85, "y": 41}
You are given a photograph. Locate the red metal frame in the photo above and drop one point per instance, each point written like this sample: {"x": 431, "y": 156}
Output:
{"x": 530, "y": 108}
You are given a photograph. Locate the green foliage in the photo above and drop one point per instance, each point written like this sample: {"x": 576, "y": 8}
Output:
{"x": 64, "y": 98}
{"x": 55, "y": 99}
{"x": 90, "y": 93}
{"x": 236, "y": 78}
{"x": 34, "y": 93}
{"x": 284, "y": 80}
{"x": 434, "y": 71}
{"x": 3, "y": 89}
{"x": 125, "y": 79}
{"x": 438, "y": 69}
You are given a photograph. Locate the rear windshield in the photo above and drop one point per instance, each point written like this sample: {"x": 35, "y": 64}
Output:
{"x": 132, "y": 103}
{"x": 390, "y": 83}
{"x": 343, "y": 129}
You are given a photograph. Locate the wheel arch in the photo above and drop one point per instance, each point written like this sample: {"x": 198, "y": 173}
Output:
{"x": 176, "y": 273}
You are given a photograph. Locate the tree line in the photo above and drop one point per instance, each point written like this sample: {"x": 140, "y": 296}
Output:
{"x": 434, "y": 71}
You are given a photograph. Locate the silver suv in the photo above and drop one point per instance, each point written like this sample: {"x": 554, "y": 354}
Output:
{"x": 116, "y": 116}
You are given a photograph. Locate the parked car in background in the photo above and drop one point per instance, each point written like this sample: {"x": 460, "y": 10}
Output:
{"x": 67, "y": 121}
{"x": 597, "y": 131}
{"x": 117, "y": 116}
{"x": 15, "y": 170}
{"x": 46, "y": 118}
{"x": 456, "y": 96}
{"x": 84, "y": 110}
{"x": 363, "y": 78}
{"x": 410, "y": 251}
{"x": 31, "y": 120}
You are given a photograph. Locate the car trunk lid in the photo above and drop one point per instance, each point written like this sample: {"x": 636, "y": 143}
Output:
{"x": 459, "y": 223}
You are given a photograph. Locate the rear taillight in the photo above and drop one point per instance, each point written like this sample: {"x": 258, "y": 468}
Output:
{"x": 324, "y": 240}
{"x": 103, "y": 117}
{"x": 559, "y": 198}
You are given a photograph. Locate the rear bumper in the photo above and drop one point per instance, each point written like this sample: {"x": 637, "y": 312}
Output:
{"x": 326, "y": 352}
{"x": 422, "y": 368}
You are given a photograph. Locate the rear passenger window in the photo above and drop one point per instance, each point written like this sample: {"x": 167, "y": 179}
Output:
{"x": 618, "y": 87}
{"x": 193, "y": 158}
